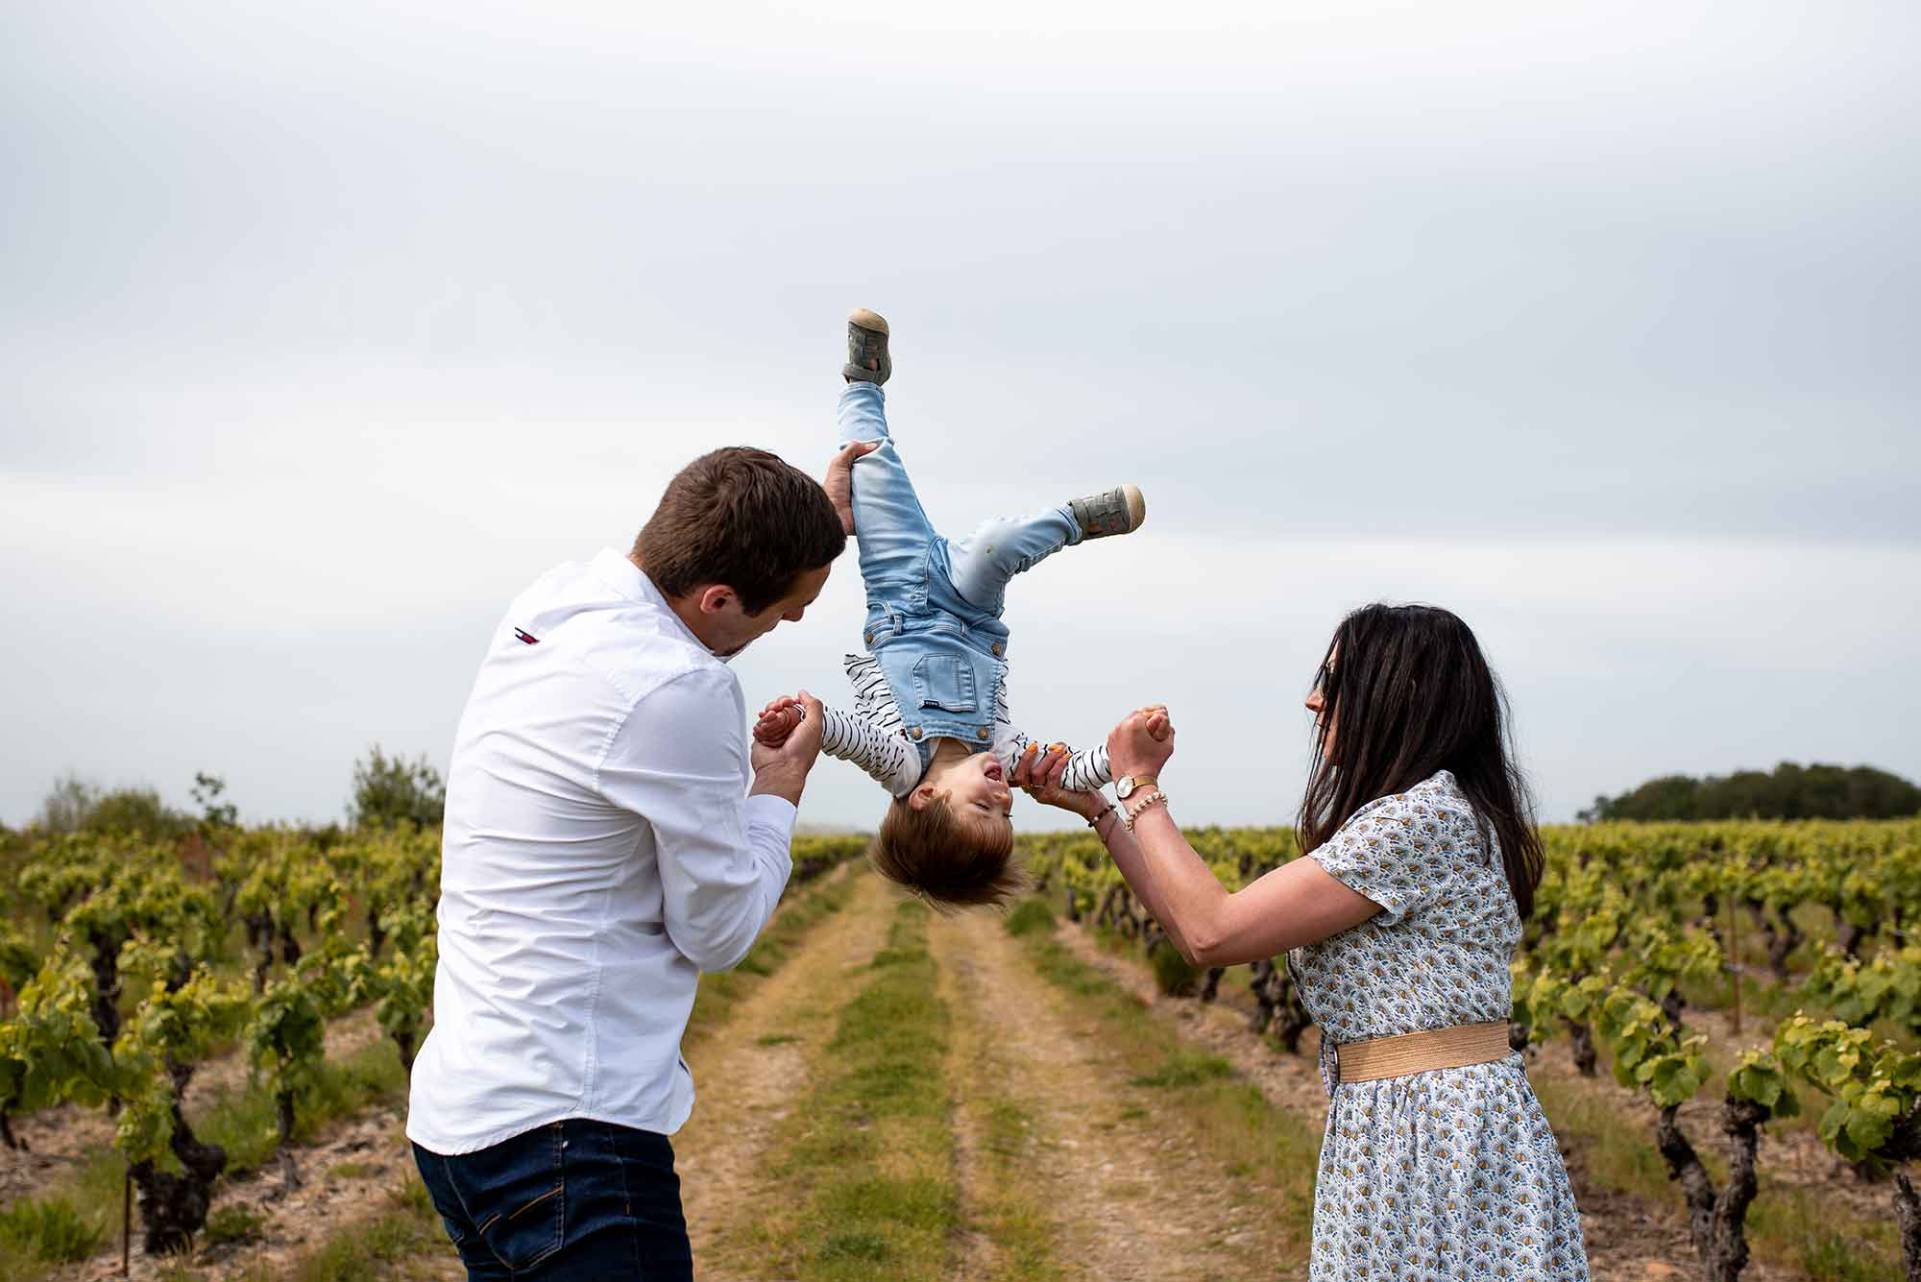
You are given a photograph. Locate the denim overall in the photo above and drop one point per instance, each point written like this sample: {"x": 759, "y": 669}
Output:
{"x": 934, "y": 606}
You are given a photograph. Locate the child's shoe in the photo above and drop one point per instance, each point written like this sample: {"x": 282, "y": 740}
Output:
{"x": 867, "y": 360}
{"x": 1118, "y": 511}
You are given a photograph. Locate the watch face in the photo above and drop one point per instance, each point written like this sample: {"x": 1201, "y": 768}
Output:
{"x": 1125, "y": 788}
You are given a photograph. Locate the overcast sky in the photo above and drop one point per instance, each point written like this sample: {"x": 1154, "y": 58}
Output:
{"x": 325, "y": 328}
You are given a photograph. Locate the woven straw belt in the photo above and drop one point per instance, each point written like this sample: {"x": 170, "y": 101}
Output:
{"x": 1455, "y": 1047}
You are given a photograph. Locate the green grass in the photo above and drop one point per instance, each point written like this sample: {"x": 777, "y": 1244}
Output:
{"x": 1002, "y": 1210}
{"x": 1252, "y": 1136}
{"x": 869, "y": 1160}
{"x": 51, "y": 1230}
{"x": 377, "y": 1250}
{"x": 232, "y": 1224}
{"x": 1030, "y": 916}
{"x": 1184, "y": 1067}
{"x": 1172, "y": 975}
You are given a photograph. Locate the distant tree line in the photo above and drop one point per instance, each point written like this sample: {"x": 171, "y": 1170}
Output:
{"x": 387, "y": 793}
{"x": 1790, "y": 791}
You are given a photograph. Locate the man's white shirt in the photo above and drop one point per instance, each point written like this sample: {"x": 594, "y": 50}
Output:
{"x": 599, "y": 852}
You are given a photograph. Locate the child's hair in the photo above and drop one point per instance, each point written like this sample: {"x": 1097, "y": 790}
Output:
{"x": 951, "y": 865}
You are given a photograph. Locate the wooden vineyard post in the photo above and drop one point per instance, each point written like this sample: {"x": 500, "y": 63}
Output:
{"x": 126, "y": 1223}
{"x": 1734, "y": 962}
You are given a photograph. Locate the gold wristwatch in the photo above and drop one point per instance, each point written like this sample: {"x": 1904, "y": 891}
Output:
{"x": 1127, "y": 785}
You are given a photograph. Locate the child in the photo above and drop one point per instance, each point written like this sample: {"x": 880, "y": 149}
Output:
{"x": 930, "y": 719}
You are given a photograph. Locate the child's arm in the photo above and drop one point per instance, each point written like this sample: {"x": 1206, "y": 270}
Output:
{"x": 1085, "y": 770}
{"x": 889, "y": 759}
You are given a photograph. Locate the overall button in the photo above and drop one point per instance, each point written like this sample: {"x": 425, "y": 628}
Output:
{"x": 870, "y": 636}
{"x": 1000, "y": 648}
{"x": 915, "y": 732}
{"x": 981, "y": 733}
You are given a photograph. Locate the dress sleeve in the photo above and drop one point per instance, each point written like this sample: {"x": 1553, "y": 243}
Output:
{"x": 1379, "y": 853}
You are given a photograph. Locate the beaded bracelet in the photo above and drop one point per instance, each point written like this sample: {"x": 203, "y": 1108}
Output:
{"x": 1132, "y": 813}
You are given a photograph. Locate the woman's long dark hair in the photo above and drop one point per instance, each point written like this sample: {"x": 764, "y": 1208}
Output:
{"x": 1407, "y": 693}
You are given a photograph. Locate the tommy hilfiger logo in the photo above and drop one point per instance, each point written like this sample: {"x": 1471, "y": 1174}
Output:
{"x": 523, "y": 635}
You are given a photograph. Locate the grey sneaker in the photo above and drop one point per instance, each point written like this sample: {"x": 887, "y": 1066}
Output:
{"x": 867, "y": 359}
{"x": 1118, "y": 511}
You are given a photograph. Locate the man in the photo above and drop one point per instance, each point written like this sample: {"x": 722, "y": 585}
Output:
{"x": 602, "y": 848}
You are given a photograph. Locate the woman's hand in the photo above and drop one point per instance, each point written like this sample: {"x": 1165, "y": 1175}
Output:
{"x": 1038, "y": 774}
{"x": 1142, "y": 743}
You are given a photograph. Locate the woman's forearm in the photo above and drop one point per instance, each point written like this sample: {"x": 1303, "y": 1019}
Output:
{"x": 1176, "y": 886}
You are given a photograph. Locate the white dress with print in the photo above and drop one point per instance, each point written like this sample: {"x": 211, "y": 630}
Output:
{"x": 1451, "y": 1174}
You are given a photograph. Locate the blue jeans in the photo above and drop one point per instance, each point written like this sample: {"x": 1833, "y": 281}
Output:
{"x": 572, "y": 1201}
{"x": 896, "y": 536}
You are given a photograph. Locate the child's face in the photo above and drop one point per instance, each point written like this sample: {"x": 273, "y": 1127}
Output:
{"x": 977, "y": 793}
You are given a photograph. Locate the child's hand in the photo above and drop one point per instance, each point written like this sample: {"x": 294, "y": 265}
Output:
{"x": 778, "y": 720}
{"x": 1142, "y": 744}
{"x": 839, "y": 482}
{"x": 1038, "y": 774}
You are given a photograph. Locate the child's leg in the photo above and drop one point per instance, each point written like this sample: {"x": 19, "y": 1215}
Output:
{"x": 1002, "y": 547}
{"x": 889, "y": 524}
{"x": 985, "y": 560}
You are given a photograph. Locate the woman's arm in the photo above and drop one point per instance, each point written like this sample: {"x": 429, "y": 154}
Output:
{"x": 1298, "y": 903}
{"x": 1295, "y": 904}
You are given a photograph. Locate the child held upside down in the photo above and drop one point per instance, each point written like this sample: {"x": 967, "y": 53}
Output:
{"x": 930, "y": 719}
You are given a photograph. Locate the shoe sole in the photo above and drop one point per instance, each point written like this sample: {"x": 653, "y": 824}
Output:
{"x": 867, "y": 320}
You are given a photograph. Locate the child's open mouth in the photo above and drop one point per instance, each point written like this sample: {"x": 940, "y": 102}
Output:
{"x": 994, "y": 771}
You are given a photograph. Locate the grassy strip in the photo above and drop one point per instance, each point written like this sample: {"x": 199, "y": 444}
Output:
{"x": 997, "y": 1176}
{"x": 868, "y": 1162}
{"x": 1011, "y": 1221}
{"x": 1252, "y": 1136}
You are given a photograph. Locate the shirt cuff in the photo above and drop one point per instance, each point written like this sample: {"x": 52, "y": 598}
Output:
{"x": 764, "y": 810}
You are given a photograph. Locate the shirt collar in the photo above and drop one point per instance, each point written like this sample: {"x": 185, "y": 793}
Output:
{"x": 626, "y": 578}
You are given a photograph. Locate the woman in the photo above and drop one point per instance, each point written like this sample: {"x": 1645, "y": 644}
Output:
{"x": 1437, "y": 1162}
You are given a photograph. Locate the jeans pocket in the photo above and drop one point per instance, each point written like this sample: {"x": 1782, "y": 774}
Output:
{"x": 517, "y": 1196}
{"x": 944, "y": 681}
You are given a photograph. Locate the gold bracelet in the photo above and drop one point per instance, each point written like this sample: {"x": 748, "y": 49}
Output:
{"x": 1132, "y": 813}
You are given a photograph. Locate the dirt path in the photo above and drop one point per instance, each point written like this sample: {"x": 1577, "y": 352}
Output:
{"x": 751, "y": 1070}
{"x": 1133, "y": 1197}
{"x": 1628, "y": 1240}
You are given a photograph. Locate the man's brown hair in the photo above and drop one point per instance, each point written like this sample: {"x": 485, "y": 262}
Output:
{"x": 951, "y": 864}
{"x": 743, "y": 518}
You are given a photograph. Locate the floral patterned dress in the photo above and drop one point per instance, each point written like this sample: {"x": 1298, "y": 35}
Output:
{"x": 1450, "y": 1174}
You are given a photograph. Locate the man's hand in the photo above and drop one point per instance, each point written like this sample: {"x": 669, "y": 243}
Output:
{"x": 1142, "y": 743}
{"x": 778, "y": 720}
{"x": 839, "y": 482}
{"x": 781, "y": 771}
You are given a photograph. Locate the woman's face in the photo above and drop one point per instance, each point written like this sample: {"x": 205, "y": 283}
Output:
{"x": 1317, "y": 704}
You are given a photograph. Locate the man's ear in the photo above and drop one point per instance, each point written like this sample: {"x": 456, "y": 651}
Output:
{"x": 921, "y": 797}
{"x": 715, "y": 598}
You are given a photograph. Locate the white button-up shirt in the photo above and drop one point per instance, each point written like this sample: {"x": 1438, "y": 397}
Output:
{"x": 599, "y": 852}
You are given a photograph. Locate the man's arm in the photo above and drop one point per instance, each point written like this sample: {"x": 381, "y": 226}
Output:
{"x": 679, "y": 761}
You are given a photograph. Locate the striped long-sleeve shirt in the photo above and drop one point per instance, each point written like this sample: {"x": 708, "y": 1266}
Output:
{"x": 873, "y": 737}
